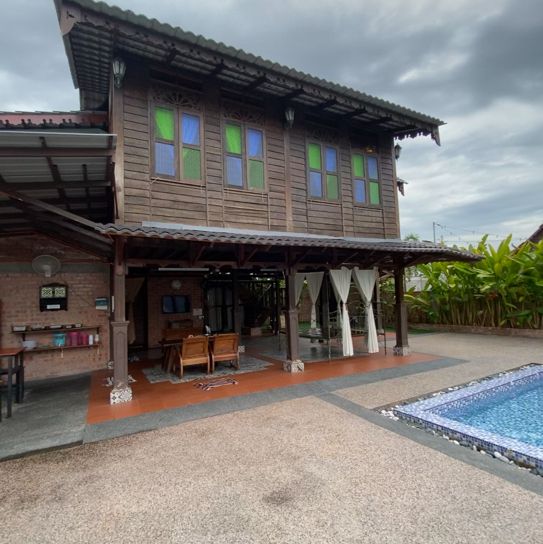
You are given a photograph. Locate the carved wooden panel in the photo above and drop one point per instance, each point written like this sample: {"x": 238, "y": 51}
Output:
{"x": 242, "y": 113}
{"x": 179, "y": 98}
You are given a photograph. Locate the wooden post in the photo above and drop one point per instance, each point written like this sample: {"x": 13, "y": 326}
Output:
{"x": 293, "y": 363}
{"x": 277, "y": 309}
{"x": 402, "y": 343}
{"x": 121, "y": 392}
{"x": 235, "y": 302}
{"x": 379, "y": 309}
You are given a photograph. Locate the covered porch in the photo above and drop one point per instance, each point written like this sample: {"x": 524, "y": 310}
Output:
{"x": 287, "y": 257}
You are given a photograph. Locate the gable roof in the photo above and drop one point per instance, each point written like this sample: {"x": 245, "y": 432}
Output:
{"x": 537, "y": 236}
{"x": 95, "y": 32}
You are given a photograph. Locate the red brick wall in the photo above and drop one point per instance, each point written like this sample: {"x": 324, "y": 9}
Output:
{"x": 157, "y": 287}
{"x": 19, "y": 304}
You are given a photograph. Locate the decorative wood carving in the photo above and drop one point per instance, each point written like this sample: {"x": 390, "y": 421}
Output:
{"x": 242, "y": 113}
{"x": 179, "y": 98}
{"x": 322, "y": 134}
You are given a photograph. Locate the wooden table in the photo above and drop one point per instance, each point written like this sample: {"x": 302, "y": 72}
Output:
{"x": 15, "y": 365}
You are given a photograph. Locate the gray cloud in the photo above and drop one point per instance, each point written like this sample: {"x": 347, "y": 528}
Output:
{"x": 477, "y": 64}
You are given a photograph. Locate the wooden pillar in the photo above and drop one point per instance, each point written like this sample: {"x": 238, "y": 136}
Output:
{"x": 121, "y": 392}
{"x": 293, "y": 363}
{"x": 402, "y": 343}
{"x": 277, "y": 309}
{"x": 377, "y": 296}
{"x": 236, "y": 309}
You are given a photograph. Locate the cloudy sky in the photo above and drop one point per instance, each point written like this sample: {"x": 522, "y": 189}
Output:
{"x": 476, "y": 64}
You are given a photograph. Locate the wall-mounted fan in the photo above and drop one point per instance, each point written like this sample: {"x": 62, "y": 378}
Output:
{"x": 46, "y": 265}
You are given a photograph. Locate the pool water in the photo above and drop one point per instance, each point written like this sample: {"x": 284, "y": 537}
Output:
{"x": 500, "y": 414}
{"x": 518, "y": 414}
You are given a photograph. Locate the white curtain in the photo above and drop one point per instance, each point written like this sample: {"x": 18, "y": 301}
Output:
{"x": 365, "y": 282}
{"x": 314, "y": 282}
{"x": 298, "y": 286}
{"x": 133, "y": 286}
{"x": 341, "y": 280}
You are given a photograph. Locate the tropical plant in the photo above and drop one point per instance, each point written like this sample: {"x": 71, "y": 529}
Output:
{"x": 503, "y": 289}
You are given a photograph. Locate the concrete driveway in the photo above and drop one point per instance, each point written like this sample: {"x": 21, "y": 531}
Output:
{"x": 315, "y": 469}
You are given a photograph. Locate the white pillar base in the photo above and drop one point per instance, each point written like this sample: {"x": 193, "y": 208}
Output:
{"x": 402, "y": 350}
{"x": 120, "y": 394}
{"x": 293, "y": 366}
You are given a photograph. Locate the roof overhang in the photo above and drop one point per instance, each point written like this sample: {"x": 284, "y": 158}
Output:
{"x": 158, "y": 244}
{"x": 94, "y": 33}
{"x": 57, "y": 183}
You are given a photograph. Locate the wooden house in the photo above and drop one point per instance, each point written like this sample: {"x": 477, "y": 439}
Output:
{"x": 191, "y": 166}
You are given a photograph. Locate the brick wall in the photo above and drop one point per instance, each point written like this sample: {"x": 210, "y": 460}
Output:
{"x": 156, "y": 288}
{"x": 19, "y": 304}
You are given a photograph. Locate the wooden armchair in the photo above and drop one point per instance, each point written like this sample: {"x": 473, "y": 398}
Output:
{"x": 194, "y": 351}
{"x": 224, "y": 347}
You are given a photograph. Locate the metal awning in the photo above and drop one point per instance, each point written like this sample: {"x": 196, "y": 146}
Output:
{"x": 57, "y": 183}
{"x": 95, "y": 32}
{"x": 163, "y": 244}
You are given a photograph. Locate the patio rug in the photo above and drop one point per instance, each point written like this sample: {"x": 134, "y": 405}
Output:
{"x": 206, "y": 386}
{"x": 155, "y": 374}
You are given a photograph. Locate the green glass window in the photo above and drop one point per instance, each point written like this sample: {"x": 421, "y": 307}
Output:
{"x": 374, "y": 193}
{"x": 244, "y": 157}
{"x": 314, "y": 152}
{"x": 323, "y": 171}
{"x": 164, "y": 124}
{"x": 178, "y": 157}
{"x": 358, "y": 165}
{"x": 233, "y": 139}
{"x": 365, "y": 174}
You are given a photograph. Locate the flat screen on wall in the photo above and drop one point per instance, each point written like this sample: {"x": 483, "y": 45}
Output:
{"x": 175, "y": 304}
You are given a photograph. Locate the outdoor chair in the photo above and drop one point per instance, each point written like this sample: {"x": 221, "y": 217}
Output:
{"x": 224, "y": 347}
{"x": 194, "y": 351}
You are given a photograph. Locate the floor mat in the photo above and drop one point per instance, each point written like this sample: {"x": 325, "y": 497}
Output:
{"x": 155, "y": 374}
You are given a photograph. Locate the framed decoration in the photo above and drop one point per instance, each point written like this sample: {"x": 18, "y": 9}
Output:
{"x": 53, "y": 297}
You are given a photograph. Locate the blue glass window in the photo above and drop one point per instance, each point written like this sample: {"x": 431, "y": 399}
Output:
{"x": 234, "y": 171}
{"x": 373, "y": 172}
{"x": 254, "y": 143}
{"x": 315, "y": 184}
{"x": 164, "y": 159}
{"x": 359, "y": 190}
{"x": 331, "y": 159}
{"x": 190, "y": 129}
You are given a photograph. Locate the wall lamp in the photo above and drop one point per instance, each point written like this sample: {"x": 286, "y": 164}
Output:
{"x": 289, "y": 117}
{"x": 119, "y": 69}
{"x": 397, "y": 151}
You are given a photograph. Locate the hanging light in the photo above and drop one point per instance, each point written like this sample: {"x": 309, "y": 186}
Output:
{"x": 397, "y": 151}
{"x": 119, "y": 69}
{"x": 289, "y": 117}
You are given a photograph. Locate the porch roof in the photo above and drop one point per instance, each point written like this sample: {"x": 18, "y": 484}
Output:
{"x": 95, "y": 32}
{"x": 268, "y": 247}
{"x": 58, "y": 183}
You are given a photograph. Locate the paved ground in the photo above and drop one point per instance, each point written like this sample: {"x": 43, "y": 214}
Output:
{"x": 484, "y": 355}
{"x": 314, "y": 469}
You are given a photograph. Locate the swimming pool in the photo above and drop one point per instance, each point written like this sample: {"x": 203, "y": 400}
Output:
{"x": 502, "y": 414}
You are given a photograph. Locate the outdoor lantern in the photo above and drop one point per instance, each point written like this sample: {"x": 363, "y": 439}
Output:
{"x": 119, "y": 69}
{"x": 397, "y": 151}
{"x": 289, "y": 117}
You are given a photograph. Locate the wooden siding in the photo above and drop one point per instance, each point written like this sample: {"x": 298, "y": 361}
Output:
{"x": 211, "y": 203}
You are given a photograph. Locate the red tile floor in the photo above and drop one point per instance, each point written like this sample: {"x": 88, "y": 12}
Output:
{"x": 148, "y": 397}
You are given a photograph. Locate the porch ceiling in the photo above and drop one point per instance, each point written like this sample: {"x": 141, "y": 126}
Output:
{"x": 56, "y": 183}
{"x": 191, "y": 246}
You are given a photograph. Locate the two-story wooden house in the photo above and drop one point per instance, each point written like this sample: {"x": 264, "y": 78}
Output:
{"x": 206, "y": 166}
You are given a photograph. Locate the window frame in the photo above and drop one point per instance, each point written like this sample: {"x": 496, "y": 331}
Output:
{"x": 323, "y": 172}
{"x": 177, "y": 143}
{"x": 245, "y": 158}
{"x": 367, "y": 180}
